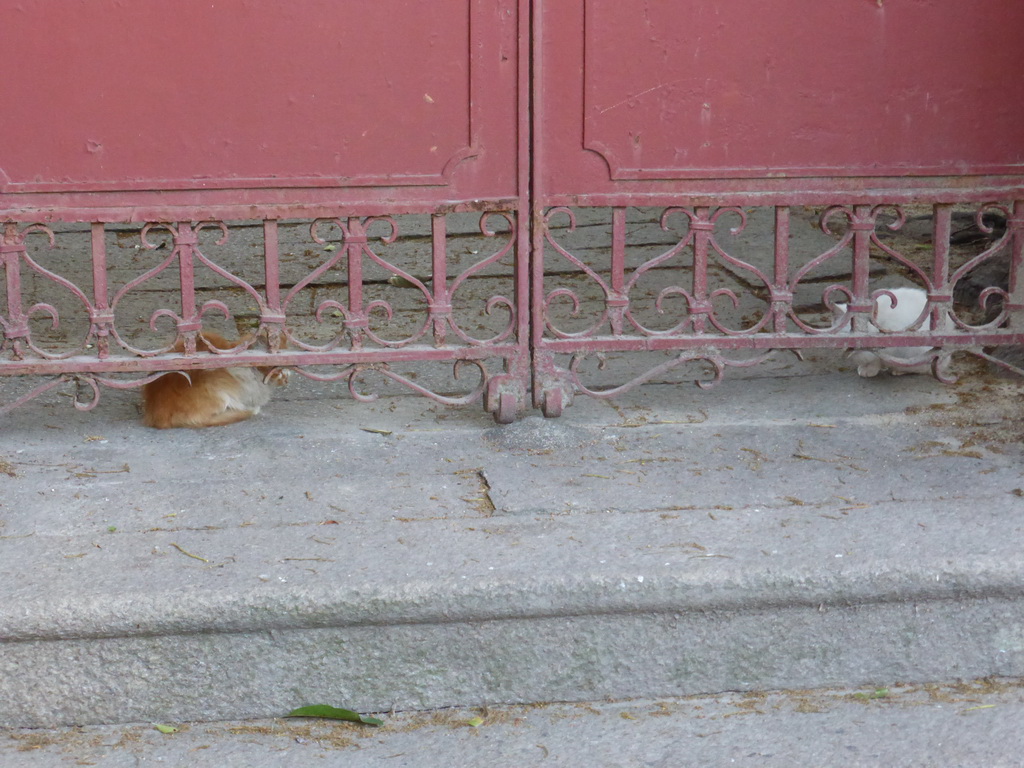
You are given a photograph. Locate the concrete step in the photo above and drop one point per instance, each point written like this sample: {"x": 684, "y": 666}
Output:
{"x": 782, "y": 532}
{"x": 968, "y": 725}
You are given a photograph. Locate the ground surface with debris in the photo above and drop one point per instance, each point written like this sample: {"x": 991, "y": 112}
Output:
{"x": 804, "y": 529}
{"x": 974, "y": 724}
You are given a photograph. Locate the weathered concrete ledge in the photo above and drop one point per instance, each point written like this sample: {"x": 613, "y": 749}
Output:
{"x": 760, "y": 536}
{"x": 533, "y": 614}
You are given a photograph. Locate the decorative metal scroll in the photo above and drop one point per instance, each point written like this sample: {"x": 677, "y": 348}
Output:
{"x": 328, "y": 295}
{"x": 358, "y": 300}
{"x": 700, "y": 287}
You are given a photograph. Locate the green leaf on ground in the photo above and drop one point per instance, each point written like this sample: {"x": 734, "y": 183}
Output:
{"x": 475, "y": 722}
{"x": 333, "y": 713}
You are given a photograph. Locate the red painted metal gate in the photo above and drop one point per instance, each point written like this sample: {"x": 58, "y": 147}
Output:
{"x": 317, "y": 121}
{"x": 725, "y": 119}
{"x": 383, "y": 190}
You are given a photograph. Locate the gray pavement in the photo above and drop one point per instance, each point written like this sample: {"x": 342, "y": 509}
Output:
{"x": 802, "y": 528}
{"x": 967, "y": 725}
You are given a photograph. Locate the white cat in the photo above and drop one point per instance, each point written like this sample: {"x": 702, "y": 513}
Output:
{"x": 900, "y": 311}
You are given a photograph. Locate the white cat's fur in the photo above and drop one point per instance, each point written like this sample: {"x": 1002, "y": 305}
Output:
{"x": 899, "y": 312}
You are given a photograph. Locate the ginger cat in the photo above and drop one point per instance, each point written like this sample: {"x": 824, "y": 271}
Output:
{"x": 208, "y": 398}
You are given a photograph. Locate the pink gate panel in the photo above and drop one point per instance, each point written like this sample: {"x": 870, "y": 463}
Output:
{"x": 209, "y": 103}
{"x": 669, "y": 137}
{"x": 636, "y": 99}
{"x": 342, "y": 180}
